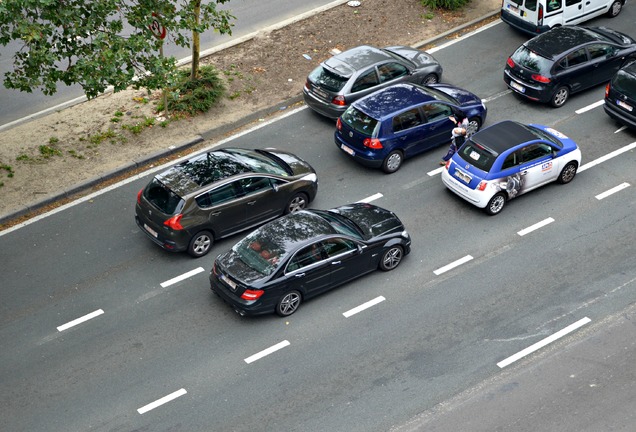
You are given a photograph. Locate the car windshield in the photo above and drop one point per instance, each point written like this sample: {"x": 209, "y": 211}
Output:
{"x": 327, "y": 79}
{"x": 361, "y": 122}
{"x": 162, "y": 197}
{"x": 531, "y": 60}
{"x": 259, "y": 162}
{"x": 477, "y": 155}
{"x": 624, "y": 83}
{"x": 340, "y": 223}
{"x": 544, "y": 136}
{"x": 439, "y": 95}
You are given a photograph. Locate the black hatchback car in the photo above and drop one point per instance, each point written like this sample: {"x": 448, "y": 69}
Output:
{"x": 219, "y": 193}
{"x": 620, "y": 96}
{"x": 565, "y": 60}
{"x": 306, "y": 253}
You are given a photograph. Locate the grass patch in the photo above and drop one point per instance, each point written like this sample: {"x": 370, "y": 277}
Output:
{"x": 195, "y": 96}
{"x": 48, "y": 151}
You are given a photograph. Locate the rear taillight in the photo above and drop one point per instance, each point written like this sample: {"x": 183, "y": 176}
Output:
{"x": 540, "y": 15}
{"x": 139, "y": 196}
{"x": 339, "y": 100}
{"x": 540, "y": 78}
{"x": 214, "y": 269}
{"x": 607, "y": 90}
{"x": 250, "y": 294}
{"x": 339, "y": 124}
{"x": 372, "y": 143}
{"x": 174, "y": 222}
{"x": 482, "y": 185}
{"x": 307, "y": 85}
{"x": 510, "y": 62}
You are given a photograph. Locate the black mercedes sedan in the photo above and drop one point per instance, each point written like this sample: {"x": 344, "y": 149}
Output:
{"x": 303, "y": 254}
{"x": 565, "y": 60}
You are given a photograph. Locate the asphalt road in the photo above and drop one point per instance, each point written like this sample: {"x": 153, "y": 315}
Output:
{"x": 433, "y": 339}
{"x": 251, "y": 16}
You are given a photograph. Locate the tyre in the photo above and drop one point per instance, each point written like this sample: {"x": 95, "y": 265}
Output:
{"x": 567, "y": 173}
{"x": 560, "y": 96}
{"x": 392, "y": 162}
{"x": 298, "y": 202}
{"x": 200, "y": 244}
{"x": 615, "y": 9}
{"x": 473, "y": 126}
{"x": 289, "y": 303}
{"x": 430, "y": 79}
{"x": 391, "y": 258}
{"x": 496, "y": 204}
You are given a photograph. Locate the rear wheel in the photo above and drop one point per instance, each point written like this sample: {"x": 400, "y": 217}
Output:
{"x": 567, "y": 173}
{"x": 473, "y": 126}
{"x": 289, "y": 303}
{"x": 615, "y": 9}
{"x": 392, "y": 162}
{"x": 391, "y": 258}
{"x": 430, "y": 79}
{"x": 200, "y": 244}
{"x": 560, "y": 96}
{"x": 496, "y": 204}
{"x": 297, "y": 202}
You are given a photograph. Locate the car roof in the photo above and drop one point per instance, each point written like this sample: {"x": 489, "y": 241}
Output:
{"x": 392, "y": 99}
{"x": 503, "y": 136}
{"x": 348, "y": 62}
{"x": 560, "y": 39}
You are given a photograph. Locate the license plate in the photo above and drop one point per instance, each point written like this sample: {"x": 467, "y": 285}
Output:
{"x": 323, "y": 94}
{"x": 624, "y": 105}
{"x": 151, "y": 231}
{"x": 347, "y": 149}
{"x": 229, "y": 282}
{"x": 513, "y": 8}
{"x": 517, "y": 87}
{"x": 463, "y": 176}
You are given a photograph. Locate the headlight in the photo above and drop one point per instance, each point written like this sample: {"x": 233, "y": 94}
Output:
{"x": 405, "y": 234}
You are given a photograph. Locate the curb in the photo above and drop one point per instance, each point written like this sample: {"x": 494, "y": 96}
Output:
{"x": 214, "y": 132}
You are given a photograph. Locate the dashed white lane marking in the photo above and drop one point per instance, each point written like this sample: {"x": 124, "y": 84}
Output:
{"x": 590, "y": 107}
{"x": 163, "y": 400}
{"x": 612, "y": 191}
{"x": 536, "y": 226}
{"x": 607, "y": 156}
{"x": 532, "y": 348}
{"x": 182, "y": 277}
{"x": 363, "y": 306}
{"x": 267, "y": 351}
{"x": 452, "y": 265}
{"x": 371, "y": 198}
{"x": 80, "y": 320}
{"x": 621, "y": 129}
{"x": 496, "y": 96}
{"x": 436, "y": 171}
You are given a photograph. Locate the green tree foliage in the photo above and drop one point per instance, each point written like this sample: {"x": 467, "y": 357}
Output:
{"x": 101, "y": 43}
{"x": 444, "y": 4}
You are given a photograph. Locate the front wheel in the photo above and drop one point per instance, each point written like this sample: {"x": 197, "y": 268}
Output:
{"x": 473, "y": 126}
{"x": 392, "y": 162}
{"x": 289, "y": 303}
{"x": 560, "y": 96}
{"x": 391, "y": 258}
{"x": 615, "y": 9}
{"x": 430, "y": 79}
{"x": 200, "y": 244}
{"x": 496, "y": 204}
{"x": 567, "y": 173}
{"x": 297, "y": 202}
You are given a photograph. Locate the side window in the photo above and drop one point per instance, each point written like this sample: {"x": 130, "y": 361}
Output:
{"x": 600, "y": 51}
{"x": 554, "y": 5}
{"x": 576, "y": 58}
{"x": 511, "y": 160}
{"x": 535, "y": 151}
{"x": 222, "y": 194}
{"x": 365, "y": 81}
{"x": 306, "y": 256}
{"x": 531, "y": 5}
{"x": 407, "y": 120}
{"x": 436, "y": 111}
{"x": 255, "y": 184}
{"x": 390, "y": 71}
{"x": 572, "y": 2}
{"x": 335, "y": 247}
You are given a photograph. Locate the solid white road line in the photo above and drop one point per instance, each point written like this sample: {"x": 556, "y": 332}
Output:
{"x": 590, "y": 107}
{"x": 607, "y": 157}
{"x": 536, "y": 226}
{"x": 80, "y": 320}
{"x": 466, "y": 36}
{"x": 532, "y": 348}
{"x": 611, "y": 191}
{"x": 363, "y": 306}
{"x": 182, "y": 277}
{"x": 267, "y": 351}
{"x": 163, "y": 400}
{"x": 371, "y": 198}
{"x": 452, "y": 265}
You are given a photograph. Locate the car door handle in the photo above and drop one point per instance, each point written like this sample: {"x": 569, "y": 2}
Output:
{"x": 215, "y": 213}
{"x": 336, "y": 262}
{"x": 251, "y": 202}
{"x": 299, "y": 275}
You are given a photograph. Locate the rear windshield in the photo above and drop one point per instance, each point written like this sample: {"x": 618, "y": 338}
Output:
{"x": 625, "y": 83}
{"x": 163, "y": 198}
{"x": 531, "y": 60}
{"x": 361, "y": 122}
{"x": 477, "y": 155}
{"x": 327, "y": 80}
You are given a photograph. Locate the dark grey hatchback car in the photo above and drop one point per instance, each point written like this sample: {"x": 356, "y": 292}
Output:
{"x": 219, "y": 193}
{"x": 620, "y": 96}
{"x": 352, "y": 74}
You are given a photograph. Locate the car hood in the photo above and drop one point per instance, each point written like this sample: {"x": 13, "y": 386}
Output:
{"x": 464, "y": 97}
{"x": 231, "y": 264}
{"x": 420, "y": 58}
{"x": 374, "y": 221}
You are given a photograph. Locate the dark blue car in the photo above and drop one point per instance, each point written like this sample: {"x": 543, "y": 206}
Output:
{"x": 390, "y": 125}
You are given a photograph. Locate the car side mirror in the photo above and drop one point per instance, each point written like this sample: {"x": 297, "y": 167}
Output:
{"x": 275, "y": 187}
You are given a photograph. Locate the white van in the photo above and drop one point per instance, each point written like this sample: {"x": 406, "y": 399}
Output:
{"x": 538, "y": 16}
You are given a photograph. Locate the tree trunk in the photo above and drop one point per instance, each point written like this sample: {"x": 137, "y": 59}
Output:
{"x": 195, "y": 42}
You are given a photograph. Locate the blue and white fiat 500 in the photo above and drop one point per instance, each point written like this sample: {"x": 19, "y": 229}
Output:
{"x": 508, "y": 159}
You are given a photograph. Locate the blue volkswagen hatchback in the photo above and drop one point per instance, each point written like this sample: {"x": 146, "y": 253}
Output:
{"x": 395, "y": 123}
